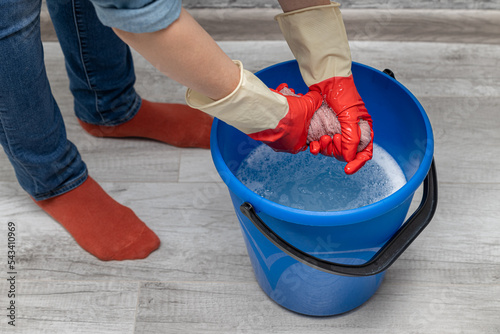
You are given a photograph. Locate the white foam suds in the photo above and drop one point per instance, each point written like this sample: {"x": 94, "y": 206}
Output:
{"x": 318, "y": 183}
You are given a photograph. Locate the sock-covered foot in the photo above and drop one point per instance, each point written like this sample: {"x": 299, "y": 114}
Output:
{"x": 175, "y": 124}
{"x": 100, "y": 225}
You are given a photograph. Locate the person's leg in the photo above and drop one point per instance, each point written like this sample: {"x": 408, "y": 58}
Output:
{"x": 47, "y": 165}
{"x": 99, "y": 64}
{"x": 101, "y": 72}
{"x": 32, "y": 131}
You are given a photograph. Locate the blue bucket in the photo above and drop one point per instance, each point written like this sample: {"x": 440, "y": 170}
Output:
{"x": 328, "y": 263}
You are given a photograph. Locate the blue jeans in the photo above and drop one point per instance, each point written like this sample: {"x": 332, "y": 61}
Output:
{"x": 101, "y": 74}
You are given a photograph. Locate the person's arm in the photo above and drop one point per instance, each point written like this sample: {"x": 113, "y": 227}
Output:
{"x": 187, "y": 54}
{"x": 316, "y": 36}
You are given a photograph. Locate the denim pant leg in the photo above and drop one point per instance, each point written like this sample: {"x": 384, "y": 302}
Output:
{"x": 32, "y": 131}
{"x": 99, "y": 64}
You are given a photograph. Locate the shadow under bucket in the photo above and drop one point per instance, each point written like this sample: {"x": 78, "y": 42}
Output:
{"x": 327, "y": 263}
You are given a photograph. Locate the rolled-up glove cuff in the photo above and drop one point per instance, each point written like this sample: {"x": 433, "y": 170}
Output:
{"x": 251, "y": 107}
{"x": 317, "y": 38}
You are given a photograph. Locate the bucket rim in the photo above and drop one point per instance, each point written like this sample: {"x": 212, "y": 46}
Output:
{"x": 327, "y": 218}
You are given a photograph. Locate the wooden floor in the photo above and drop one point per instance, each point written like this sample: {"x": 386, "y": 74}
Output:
{"x": 382, "y": 23}
{"x": 201, "y": 280}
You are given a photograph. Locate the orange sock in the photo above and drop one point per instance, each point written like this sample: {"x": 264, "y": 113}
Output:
{"x": 175, "y": 124}
{"x": 100, "y": 225}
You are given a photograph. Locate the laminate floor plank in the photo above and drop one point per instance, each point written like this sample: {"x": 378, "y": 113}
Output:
{"x": 205, "y": 244}
{"x": 429, "y": 21}
{"x": 200, "y": 236}
{"x": 57, "y": 307}
{"x": 201, "y": 281}
{"x": 244, "y": 308}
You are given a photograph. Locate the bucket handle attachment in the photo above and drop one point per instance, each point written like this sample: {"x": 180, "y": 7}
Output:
{"x": 384, "y": 258}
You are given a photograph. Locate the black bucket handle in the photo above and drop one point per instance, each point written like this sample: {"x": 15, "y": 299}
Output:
{"x": 384, "y": 258}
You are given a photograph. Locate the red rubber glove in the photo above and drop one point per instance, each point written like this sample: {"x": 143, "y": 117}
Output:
{"x": 328, "y": 145}
{"x": 324, "y": 126}
{"x": 342, "y": 96}
{"x": 318, "y": 39}
{"x": 281, "y": 122}
{"x": 291, "y": 133}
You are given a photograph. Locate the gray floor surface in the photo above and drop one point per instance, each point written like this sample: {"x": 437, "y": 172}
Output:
{"x": 201, "y": 280}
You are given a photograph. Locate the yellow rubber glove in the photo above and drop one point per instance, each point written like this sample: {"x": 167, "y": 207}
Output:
{"x": 281, "y": 122}
{"x": 317, "y": 37}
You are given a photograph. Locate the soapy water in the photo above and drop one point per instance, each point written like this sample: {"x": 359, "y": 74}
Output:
{"x": 318, "y": 183}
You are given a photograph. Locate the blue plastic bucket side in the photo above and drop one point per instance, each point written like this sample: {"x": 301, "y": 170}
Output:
{"x": 297, "y": 286}
{"x": 347, "y": 244}
{"x": 303, "y": 289}
{"x": 230, "y": 147}
{"x": 408, "y": 125}
{"x": 356, "y": 231}
{"x": 235, "y": 149}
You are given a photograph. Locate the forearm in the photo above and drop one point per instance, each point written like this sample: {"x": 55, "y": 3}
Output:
{"x": 187, "y": 54}
{"x": 291, "y": 5}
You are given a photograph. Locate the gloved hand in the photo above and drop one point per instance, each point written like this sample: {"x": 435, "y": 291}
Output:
{"x": 281, "y": 122}
{"x": 290, "y": 135}
{"x": 316, "y": 36}
{"x": 342, "y": 96}
{"x": 324, "y": 134}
